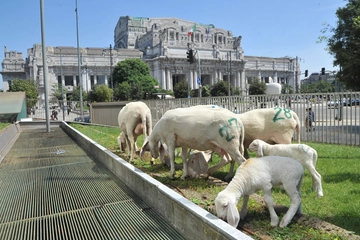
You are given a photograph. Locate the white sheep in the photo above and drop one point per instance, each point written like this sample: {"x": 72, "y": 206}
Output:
{"x": 303, "y": 153}
{"x": 198, "y": 163}
{"x": 134, "y": 119}
{"x": 261, "y": 174}
{"x": 199, "y": 128}
{"x": 272, "y": 125}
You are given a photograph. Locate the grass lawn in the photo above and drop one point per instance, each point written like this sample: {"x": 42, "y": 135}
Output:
{"x": 339, "y": 166}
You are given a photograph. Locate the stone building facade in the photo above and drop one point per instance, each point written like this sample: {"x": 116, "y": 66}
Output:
{"x": 162, "y": 43}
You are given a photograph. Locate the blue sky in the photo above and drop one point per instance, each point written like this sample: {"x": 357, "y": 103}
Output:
{"x": 274, "y": 28}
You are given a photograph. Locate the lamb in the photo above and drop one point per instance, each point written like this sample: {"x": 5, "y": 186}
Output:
{"x": 198, "y": 163}
{"x": 199, "y": 128}
{"x": 272, "y": 125}
{"x": 262, "y": 174}
{"x": 134, "y": 119}
{"x": 304, "y": 154}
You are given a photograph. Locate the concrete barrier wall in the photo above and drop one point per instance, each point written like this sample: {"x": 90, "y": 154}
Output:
{"x": 7, "y": 137}
{"x": 191, "y": 220}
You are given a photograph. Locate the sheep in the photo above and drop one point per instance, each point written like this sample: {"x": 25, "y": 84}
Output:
{"x": 304, "y": 154}
{"x": 134, "y": 119}
{"x": 198, "y": 163}
{"x": 199, "y": 128}
{"x": 272, "y": 125}
{"x": 261, "y": 174}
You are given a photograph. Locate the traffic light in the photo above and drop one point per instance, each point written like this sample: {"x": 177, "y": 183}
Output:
{"x": 323, "y": 71}
{"x": 190, "y": 56}
{"x": 306, "y": 73}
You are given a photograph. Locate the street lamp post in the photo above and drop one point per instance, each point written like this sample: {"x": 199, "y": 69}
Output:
{"x": 111, "y": 65}
{"x": 79, "y": 68}
{"x": 62, "y": 86}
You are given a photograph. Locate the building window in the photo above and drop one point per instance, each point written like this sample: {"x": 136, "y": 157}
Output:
{"x": 172, "y": 35}
{"x": 197, "y": 37}
{"x": 69, "y": 81}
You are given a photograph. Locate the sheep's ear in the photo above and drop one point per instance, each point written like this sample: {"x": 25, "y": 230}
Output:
{"x": 233, "y": 217}
{"x": 144, "y": 147}
{"x": 259, "y": 152}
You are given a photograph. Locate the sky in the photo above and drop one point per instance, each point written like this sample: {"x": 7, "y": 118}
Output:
{"x": 276, "y": 28}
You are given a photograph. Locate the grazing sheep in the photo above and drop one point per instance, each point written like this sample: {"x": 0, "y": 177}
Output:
{"x": 304, "y": 154}
{"x": 199, "y": 128}
{"x": 134, "y": 119}
{"x": 272, "y": 125}
{"x": 261, "y": 174}
{"x": 198, "y": 163}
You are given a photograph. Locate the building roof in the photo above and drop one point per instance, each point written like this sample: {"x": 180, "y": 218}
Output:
{"x": 11, "y": 102}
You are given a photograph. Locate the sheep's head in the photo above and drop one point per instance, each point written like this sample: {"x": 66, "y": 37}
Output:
{"x": 226, "y": 208}
{"x": 164, "y": 154}
{"x": 257, "y": 145}
{"x": 152, "y": 146}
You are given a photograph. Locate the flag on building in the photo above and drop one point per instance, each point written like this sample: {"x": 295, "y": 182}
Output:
{"x": 193, "y": 29}
{"x": 207, "y": 31}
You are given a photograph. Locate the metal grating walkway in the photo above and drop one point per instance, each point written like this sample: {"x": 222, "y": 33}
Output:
{"x": 51, "y": 189}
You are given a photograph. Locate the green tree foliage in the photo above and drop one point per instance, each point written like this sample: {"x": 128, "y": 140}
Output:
{"x": 137, "y": 74}
{"x": 257, "y": 87}
{"x": 344, "y": 44}
{"x": 181, "y": 89}
{"x": 122, "y": 92}
{"x": 29, "y": 87}
{"x": 317, "y": 87}
{"x": 205, "y": 92}
{"x": 221, "y": 89}
{"x": 101, "y": 93}
{"x": 76, "y": 94}
{"x": 287, "y": 88}
{"x": 58, "y": 92}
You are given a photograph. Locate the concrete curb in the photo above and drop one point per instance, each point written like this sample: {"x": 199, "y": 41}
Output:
{"x": 191, "y": 220}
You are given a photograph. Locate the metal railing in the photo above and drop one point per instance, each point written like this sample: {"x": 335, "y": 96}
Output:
{"x": 337, "y": 115}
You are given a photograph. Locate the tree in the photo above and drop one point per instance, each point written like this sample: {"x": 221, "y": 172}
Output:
{"x": 221, "y": 89}
{"x": 76, "y": 94}
{"x": 136, "y": 73}
{"x": 29, "y": 87}
{"x": 181, "y": 89}
{"x": 317, "y": 87}
{"x": 287, "y": 88}
{"x": 257, "y": 87}
{"x": 344, "y": 44}
{"x": 122, "y": 92}
{"x": 58, "y": 91}
{"x": 100, "y": 93}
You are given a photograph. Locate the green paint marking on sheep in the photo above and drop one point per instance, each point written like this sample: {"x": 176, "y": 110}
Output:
{"x": 287, "y": 114}
{"x": 226, "y": 129}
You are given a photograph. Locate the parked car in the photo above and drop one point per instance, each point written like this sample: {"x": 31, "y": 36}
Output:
{"x": 333, "y": 103}
{"x": 86, "y": 119}
{"x": 352, "y": 102}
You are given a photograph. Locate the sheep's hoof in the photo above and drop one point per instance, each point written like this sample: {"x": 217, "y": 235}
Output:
{"x": 204, "y": 175}
{"x": 275, "y": 222}
{"x": 183, "y": 177}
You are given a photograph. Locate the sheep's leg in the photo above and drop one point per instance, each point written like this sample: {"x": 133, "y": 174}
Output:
{"x": 243, "y": 211}
{"x": 230, "y": 175}
{"x": 213, "y": 169}
{"x": 316, "y": 180}
{"x": 128, "y": 145}
{"x": 270, "y": 205}
{"x": 184, "y": 159}
{"x": 171, "y": 150}
{"x": 132, "y": 150}
{"x": 294, "y": 206}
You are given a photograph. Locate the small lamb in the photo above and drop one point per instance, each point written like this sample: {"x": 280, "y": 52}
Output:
{"x": 304, "y": 154}
{"x": 261, "y": 174}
